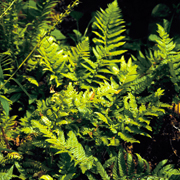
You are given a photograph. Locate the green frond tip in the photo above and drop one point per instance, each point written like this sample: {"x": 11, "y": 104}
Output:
{"x": 108, "y": 29}
{"x": 165, "y": 44}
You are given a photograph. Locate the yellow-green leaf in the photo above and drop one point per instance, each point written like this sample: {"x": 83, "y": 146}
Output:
{"x": 102, "y": 117}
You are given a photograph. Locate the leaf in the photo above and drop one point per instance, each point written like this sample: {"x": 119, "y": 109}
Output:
{"x": 101, "y": 77}
{"x": 148, "y": 170}
{"x": 102, "y": 117}
{"x": 46, "y": 177}
{"x": 159, "y": 166}
{"x": 121, "y": 163}
{"x": 160, "y": 10}
{"x": 46, "y": 120}
{"x": 5, "y": 104}
{"x": 78, "y": 35}
{"x": 4, "y": 149}
{"x": 15, "y": 97}
{"x": 91, "y": 70}
{"x": 70, "y": 76}
{"x": 102, "y": 171}
{"x": 22, "y": 87}
{"x": 9, "y": 174}
{"x": 1, "y": 75}
{"x": 33, "y": 98}
{"x": 127, "y": 138}
{"x": 62, "y": 122}
{"x": 140, "y": 166}
{"x": 130, "y": 164}
{"x": 21, "y": 170}
{"x": 58, "y": 35}
{"x": 154, "y": 37}
{"x": 32, "y": 80}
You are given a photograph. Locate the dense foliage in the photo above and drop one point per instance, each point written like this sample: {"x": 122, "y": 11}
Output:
{"x": 67, "y": 111}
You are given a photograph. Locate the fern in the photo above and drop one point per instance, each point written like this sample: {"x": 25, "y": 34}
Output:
{"x": 109, "y": 23}
{"x": 6, "y": 124}
{"x": 121, "y": 164}
{"x": 81, "y": 67}
{"x": 8, "y": 175}
{"x": 66, "y": 167}
{"x": 109, "y": 29}
{"x": 102, "y": 171}
{"x": 70, "y": 146}
{"x": 50, "y": 50}
{"x": 124, "y": 167}
{"x": 99, "y": 100}
{"x": 164, "y": 57}
{"x": 69, "y": 109}
{"x": 9, "y": 26}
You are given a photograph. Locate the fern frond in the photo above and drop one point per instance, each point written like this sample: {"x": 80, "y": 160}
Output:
{"x": 126, "y": 136}
{"x": 140, "y": 166}
{"x": 109, "y": 22}
{"x": 166, "y": 170}
{"x": 79, "y": 59}
{"x": 166, "y": 44}
{"x": 109, "y": 162}
{"x": 121, "y": 163}
{"x": 35, "y": 166}
{"x": 144, "y": 62}
{"x": 130, "y": 165}
{"x": 165, "y": 56}
{"x": 102, "y": 171}
{"x": 90, "y": 176}
{"x": 159, "y": 166}
{"x": 8, "y": 175}
{"x": 81, "y": 51}
{"x": 127, "y": 169}
{"x": 6, "y": 62}
{"x": 53, "y": 59}
{"x": 66, "y": 166}
{"x": 141, "y": 84}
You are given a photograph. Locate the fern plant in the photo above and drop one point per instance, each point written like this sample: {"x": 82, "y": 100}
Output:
{"x": 7, "y": 175}
{"x": 159, "y": 67}
{"x": 22, "y": 43}
{"x": 112, "y": 104}
{"x": 86, "y": 69}
{"x": 163, "y": 57}
{"x": 125, "y": 167}
{"x": 97, "y": 101}
{"x": 106, "y": 115}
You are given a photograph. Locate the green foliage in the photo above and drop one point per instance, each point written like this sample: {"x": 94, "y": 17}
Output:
{"x": 53, "y": 59}
{"x": 113, "y": 103}
{"x": 109, "y": 23}
{"x": 78, "y": 111}
{"x": 23, "y": 42}
{"x": 125, "y": 167}
{"x": 80, "y": 66}
{"x": 160, "y": 66}
{"x": 7, "y": 175}
{"x": 98, "y": 100}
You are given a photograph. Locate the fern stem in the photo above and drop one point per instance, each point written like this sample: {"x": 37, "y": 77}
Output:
{"x": 4, "y": 13}
{"x": 21, "y": 64}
